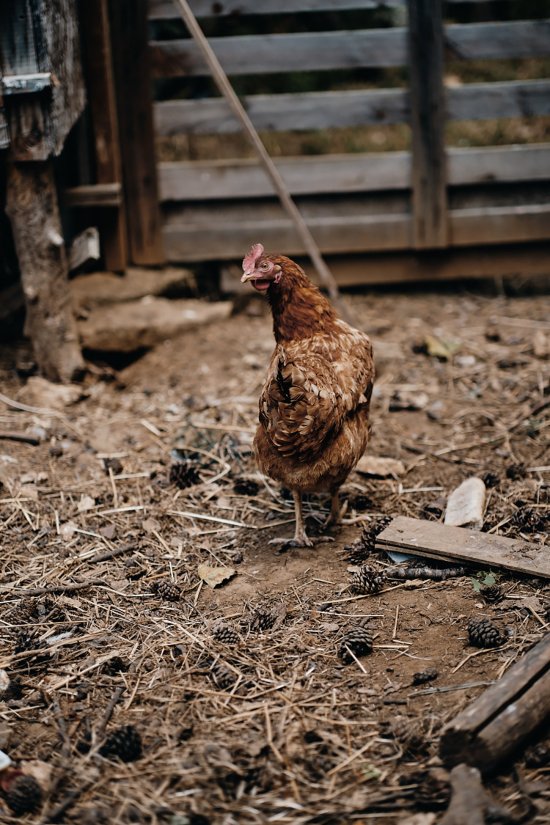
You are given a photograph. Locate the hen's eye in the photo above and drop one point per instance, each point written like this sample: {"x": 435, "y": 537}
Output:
{"x": 264, "y": 266}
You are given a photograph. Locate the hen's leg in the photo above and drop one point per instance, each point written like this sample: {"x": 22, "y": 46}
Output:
{"x": 301, "y": 539}
{"x": 336, "y": 512}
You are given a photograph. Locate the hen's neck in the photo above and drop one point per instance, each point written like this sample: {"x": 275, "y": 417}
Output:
{"x": 299, "y": 309}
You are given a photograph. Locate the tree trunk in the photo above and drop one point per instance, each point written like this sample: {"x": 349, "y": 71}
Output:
{"x": 34, "y": 214}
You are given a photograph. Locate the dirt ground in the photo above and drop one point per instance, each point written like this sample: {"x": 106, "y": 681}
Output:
{"x": 245, "y": 709}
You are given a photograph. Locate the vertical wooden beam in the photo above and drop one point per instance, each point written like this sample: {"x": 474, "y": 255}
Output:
{"x": 32, "y": 207}
{"x": 130, "y": 49}
{"x": 98, "y": 68}
{"x": 427, "y": 95}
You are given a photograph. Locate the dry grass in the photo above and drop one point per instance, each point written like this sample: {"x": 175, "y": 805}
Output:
{"x": 269, "y": 725}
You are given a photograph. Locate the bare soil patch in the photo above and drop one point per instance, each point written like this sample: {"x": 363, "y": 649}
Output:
{"x": 245, "y": 710}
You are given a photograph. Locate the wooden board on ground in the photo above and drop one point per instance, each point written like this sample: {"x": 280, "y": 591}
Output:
{"x": 438, "y": 541}
{"x": 493, "y": 726}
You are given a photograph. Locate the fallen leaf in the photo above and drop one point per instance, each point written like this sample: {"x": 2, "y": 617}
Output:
{"x": 86, "y": 503}
{"x": 440, "y": 349}
{"x": 329, "y": 627}
{"x": 214, "y": 576}
{"x": 151, "y": 525}
{"x": 531, "y": 603}
{"x": 67, "y": 530}
{"x": 372, "y": 465}
{"x": 108, "y": 532}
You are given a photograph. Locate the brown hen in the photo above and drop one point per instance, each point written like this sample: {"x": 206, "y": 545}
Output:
{"x": 314, "y": 404}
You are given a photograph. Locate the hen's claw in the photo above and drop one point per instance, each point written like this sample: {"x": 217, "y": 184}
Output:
{"x": 299, "y": 541}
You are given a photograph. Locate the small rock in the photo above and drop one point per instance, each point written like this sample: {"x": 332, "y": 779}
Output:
{"x": 380, "y": 467}
{"x": 134, "y": 325}
{"x": 466, "y": 504}
{"x": 541, "y": 344}
{"x": 465, "y": 361}
{"x": 404, "y": 400}
{"x": 38, "y": 392}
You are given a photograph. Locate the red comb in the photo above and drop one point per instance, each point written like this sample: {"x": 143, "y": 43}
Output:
{"x": 249, "y": 260}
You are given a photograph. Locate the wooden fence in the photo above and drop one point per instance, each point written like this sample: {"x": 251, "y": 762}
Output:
{"x": 430, "y": 198}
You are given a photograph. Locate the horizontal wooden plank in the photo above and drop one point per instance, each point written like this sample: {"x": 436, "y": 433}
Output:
{"x": 324, "y": 110}
{"x": 529, "y": 260}
{"x": 295, "y": 52}
{"x": 204, "y": 180}
{"x": 439, "y": 541}
{"x": 498, "y": 41}
{"x": 336, "y": 233}
{"x": 499, "y": 224}
{"x": 98, "y": 194}
{"x": 167, "y": 10}
{"x": 274, "y": 53}
{"x": 486, "y": 101}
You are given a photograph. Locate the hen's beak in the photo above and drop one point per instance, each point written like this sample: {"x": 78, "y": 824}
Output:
{"x": 251, "y": 275}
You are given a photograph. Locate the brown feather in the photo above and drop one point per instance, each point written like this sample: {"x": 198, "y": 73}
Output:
{"x": 314, "y": 404}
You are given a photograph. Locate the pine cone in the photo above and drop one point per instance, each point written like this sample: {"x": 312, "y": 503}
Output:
{"x": 423, "y": 676}
{"x": 114, "y": 464}
{"x": 483, "y": 633}
{"x": 530, "y": 520}
{"x": 432, "y": 511}
{"x": 361, "y": 503}
{"x": 516, "y": 471}
{"x": 367, "y": 580}
{"x": 31, "y": 641}
{"x": 246, "y": 487}
{"x": 357, "y": 641}
{"x": 261, "y": 620}
{"x": 27, "y": 640}
{"x": 114, "y": 666}
{"x": 490, "y": 480}
{"x": 23, "y": 795}
{"x": 361, "y": 549}
{"x": 538, "y": 756}
{"x": 184, "y": 474}
{"x": 434, "y": 790}
{"x": 167, "y": 590}
{"x": 226, "y": 634}
{"x": 222, "y": 676}
{"x": 408, "y": 732}
{"x": 123, "y": 743}
{"x": 492, "y": 593}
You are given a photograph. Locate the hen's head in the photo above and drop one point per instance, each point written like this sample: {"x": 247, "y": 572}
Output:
{"x": 260, "y": 269}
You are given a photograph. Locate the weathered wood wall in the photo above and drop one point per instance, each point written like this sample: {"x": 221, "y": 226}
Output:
{"x": 429, "y": 198}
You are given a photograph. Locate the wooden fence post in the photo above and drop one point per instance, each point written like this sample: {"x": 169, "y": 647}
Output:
{"x": 98, "y": 65}
{"x": 427, "y": 96}
{"x": 130, "y": 49}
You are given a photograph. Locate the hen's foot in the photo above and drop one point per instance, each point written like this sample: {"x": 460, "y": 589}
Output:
{"x": 298, "y": 541}
{"x": 336, "y": 515}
